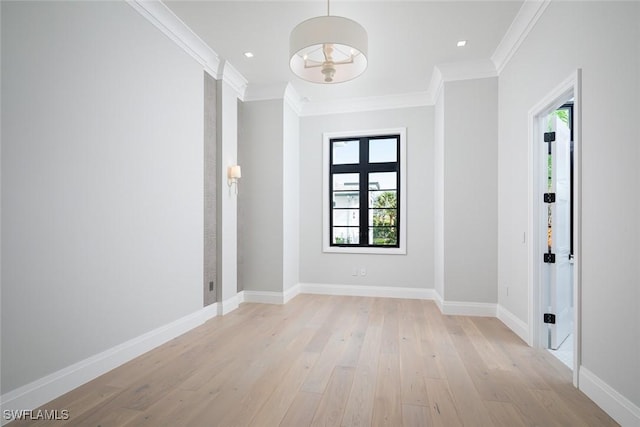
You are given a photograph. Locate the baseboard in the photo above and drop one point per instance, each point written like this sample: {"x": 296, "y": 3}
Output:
{"x": 230, "y": 304}
{"x": 292, "y": 292}
{"x": 613, "y": 403}
{"x": 367, "y": 291}
{"x": 43, "y": 390}
{"x": 263, "y": 297}
{"x": 269, "y": 297}
{"x": 464, "y": 308}
{"x": 512, "y": 322}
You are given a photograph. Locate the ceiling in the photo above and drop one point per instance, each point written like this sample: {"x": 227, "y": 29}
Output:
{"x": 406, "y": 39}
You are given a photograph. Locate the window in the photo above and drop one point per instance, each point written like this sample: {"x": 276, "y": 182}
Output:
{"x": 364, "y": 198}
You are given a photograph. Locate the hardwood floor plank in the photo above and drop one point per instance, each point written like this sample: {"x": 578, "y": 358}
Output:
{"x": 275, "y": 408}
{"x": 416, "y": 416}
{"x": 387, "y": 407}
{"x": 301, "y": 411}
{"x": 332, "y": 404}
{"x": 460, "y": 383}
{"x": 333, "y": 360}
{"x": 359, "y": 408}
{"x": 504, "y": 414}
{"x": 443, "y": 408}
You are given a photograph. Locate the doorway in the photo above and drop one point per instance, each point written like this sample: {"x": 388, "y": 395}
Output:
{"x": 557, "y": 268}
{"x": 554, "y": 223}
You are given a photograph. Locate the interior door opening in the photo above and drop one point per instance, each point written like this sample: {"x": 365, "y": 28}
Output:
{"x": 558, "y": 271}
{"x": 555, "y": 223}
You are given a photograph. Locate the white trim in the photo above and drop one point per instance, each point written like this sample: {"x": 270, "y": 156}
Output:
{"x": 372, "y": 103}
{"x": 291, "y": 293}
{"x": 45, "y": 389}
{"x": 326, "y": 137}
{"x": 367, "y": 291}
{"x": 438, "y": 300}
{"x": 233, "y": 77}
{"x": 456, "y": 71}
{"x": 173, "y": 27}
{"x": 522, "y": 24}
{"x": 435, "y": 85}
{"x": 263, "y": 297}
{"x": 228, "y": 305}
{"x": 613, "y": 403}
{"x": 240, "y": 297}
{"x": 514, "y": 323}
{"x": 555, "y": 98}
{"x": 269, "y": 297}
{"x": 265, "y": 92}
{"x": 464, "y": 308}
{"x": 467, "y": 70}
{"x": 276, "y": 91}
{"x": 457, "y": 308}
{"x": 293, "y": 99}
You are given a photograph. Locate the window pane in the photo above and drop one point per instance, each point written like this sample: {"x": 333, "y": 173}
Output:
{"x": 346, "y": 152}
{"x": 346, "y": 190}
{"x": 346, "y": 236}
{"x": 383, "y": 236}
{"x": 383, "y": 217}
{"x": 346, "y": 217}
{"x": 346, "y": 199}
{"x": 346, "y": 182}
{"x": 383, "y": 150}
{"x": 383, "y": 199}
{"x": 382, "y": 181}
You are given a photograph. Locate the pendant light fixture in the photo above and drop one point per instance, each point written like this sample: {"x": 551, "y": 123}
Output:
{"x": 328, "y": 49}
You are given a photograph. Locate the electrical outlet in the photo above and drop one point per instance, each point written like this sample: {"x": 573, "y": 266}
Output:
{"x": 363, "y": 271}
{"x": 210, "y": 286}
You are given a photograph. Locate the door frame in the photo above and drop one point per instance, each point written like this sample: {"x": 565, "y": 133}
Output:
{"x": 570, "y": 87}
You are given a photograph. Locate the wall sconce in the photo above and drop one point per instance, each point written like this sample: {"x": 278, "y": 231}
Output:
{"x": 233, "y": 174}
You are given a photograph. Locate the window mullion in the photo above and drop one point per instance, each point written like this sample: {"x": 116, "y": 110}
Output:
{"x": 364, "y": 192}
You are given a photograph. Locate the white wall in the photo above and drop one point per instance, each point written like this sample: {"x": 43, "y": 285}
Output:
{"x": 469, "y": 176}
{"x": 268, "y": 201}
{"x": 439, "y": 194}
{"x": 602, "y": 38}
{"x": 102, "y": 183}
{"x": 290, "y": 198}
{"x": 227, "y": 202}
{"x": 413, "y": 270}
{"x": 260, "y": 153}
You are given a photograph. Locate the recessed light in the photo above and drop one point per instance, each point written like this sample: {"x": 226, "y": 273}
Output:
{"x": 248, "y": 54}
{"x": 461, "y": 43}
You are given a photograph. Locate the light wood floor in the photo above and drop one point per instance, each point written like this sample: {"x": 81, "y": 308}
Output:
{"x": 328, "y": 360}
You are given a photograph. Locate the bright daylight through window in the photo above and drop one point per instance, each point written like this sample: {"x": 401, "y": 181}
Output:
{"x": 363, "y": 185}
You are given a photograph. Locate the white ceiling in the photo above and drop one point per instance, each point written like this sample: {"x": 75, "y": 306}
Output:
{"x": 406, "y": 39}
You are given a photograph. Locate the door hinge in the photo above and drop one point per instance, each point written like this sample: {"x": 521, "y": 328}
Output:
{"x": 549, "y": 136}
{"x": 549, "y": 258}
{"x": 550, "y": 318}
{"x": 549, "y": 197}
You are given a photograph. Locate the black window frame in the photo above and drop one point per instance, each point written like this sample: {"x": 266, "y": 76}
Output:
{"x": 363, "y": 168}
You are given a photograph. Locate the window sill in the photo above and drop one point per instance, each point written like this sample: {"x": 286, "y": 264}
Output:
{"x": 359, "y": 250}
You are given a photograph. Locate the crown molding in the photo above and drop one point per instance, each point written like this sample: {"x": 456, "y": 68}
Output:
{"x": 265, "y": 92}
{"x": 166, "y": 21}
{"x": 522, "y": 24}
{"x": 456, "y": 71}
{"x": 233, "y": 78}
{"x": 435, "y": 85}
{"x": 293, "y": 99}
{"x": 372, "y": 103}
